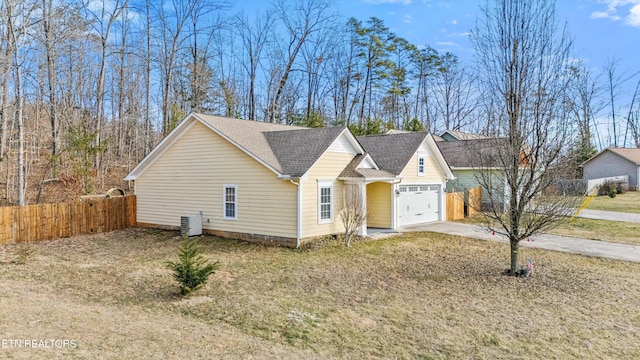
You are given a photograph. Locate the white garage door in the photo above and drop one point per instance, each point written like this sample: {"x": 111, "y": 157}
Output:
{"x": 418, "y": 204}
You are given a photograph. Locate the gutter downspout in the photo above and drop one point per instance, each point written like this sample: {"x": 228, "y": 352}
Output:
{"x": 298, "y": 211}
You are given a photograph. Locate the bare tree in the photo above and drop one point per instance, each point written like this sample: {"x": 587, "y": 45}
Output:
{"x": 254, "y": 38}
{"x": 353, "y": 213}
{"x": 583, "y": 103}
{"x": 17, "y": 20}
{"x": 173, "y": 18}
{"x": 305, "y": 18}
{"x": 452, "y": 93}
{"x": 522, "y": 58}
{"x": 47, "y": 17}
{"x": 105, "y": 19}
{"x": 614, "y": 80}
{"x": 633, "y": 119}
{"x": 425, "y": 63}
{"x": 343, "y": 75}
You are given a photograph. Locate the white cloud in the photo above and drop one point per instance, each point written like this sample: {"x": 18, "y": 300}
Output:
{"x": 604, "y": 15}
{"x": 629, "y": 10}
{"x": 407, "y": 19}
{"x": 457, "y": 35}
{"x": 453, "y": 22}
{"x": 634, "y": 16}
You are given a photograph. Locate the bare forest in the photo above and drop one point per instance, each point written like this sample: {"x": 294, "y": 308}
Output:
{"x": 88, "y": 88}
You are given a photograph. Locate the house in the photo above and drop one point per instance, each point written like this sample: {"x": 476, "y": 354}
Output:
{"x": 454, "y": 135}
{"x": 282, "y": 184}
{"x": 416, "y": 160}
{"x": 614, "y": 162}
{"x": 476, "y": 162}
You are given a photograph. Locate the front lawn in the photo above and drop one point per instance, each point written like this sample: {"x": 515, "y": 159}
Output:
{"x": 614, "y": 231}
{"x": 628, "y": 202}
{"x": 422, "y": 295}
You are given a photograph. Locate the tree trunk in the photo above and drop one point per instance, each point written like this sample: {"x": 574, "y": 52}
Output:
{"x": 51, "y": 81}
{"x": 514, "y": 255}
{"x": 4, "y": 108}
{"x": 147, "y": 106}
{"x": 285, "y": 76}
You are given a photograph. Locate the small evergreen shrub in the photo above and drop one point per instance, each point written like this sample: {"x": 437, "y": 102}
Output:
{"x": 192, "y": 270}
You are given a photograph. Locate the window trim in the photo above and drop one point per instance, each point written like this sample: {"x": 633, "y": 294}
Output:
{"x": 423, "y": 166}
{"x": 224, "y": 201}
{"x": 324, "y": 184}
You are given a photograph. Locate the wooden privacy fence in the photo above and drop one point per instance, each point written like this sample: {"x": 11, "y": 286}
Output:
{"x": 463, "y": 204}
{"x": 51, "y": 221}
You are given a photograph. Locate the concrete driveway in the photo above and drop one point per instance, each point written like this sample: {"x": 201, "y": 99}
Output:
{"x": 543, "y": 241}
{"x": 610, "y": 215}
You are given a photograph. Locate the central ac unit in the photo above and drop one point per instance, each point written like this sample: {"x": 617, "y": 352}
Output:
{"x": 191, "y": 225}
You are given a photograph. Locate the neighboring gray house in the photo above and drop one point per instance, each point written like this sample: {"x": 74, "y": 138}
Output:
{"x": 614, "y": 162}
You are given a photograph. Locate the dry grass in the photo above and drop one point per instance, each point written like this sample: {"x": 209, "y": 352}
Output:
{"x": 604, "y": 230}
{"x": 628, "y": 202}
{"x": 614, "y": 231}
{"x": 423, "y": 295}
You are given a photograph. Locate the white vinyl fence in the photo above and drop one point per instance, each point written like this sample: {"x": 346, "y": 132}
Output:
{"x": 594, "y": 183}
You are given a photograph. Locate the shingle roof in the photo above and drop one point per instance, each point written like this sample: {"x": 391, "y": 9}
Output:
{"x": 392, "y": 151}
{"x": 249, "y": 135}
{"x": 630, "y": 154}
{"x": 298, "y": 150}
{"x": 290, "y": 150}
{"x": 352, "y": 171}
{"x": 461, "y": 135}
{"x": 475, "y": 153}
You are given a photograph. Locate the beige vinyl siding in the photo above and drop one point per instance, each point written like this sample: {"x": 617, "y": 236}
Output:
{"x": 379, "y": 205}
{"x": 328, "y": 167}
{"x": 432, "y": 175}
{"x": 189, "y": 177}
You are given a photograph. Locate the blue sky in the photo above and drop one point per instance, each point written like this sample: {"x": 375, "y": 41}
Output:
{"x": 602, "y": 29}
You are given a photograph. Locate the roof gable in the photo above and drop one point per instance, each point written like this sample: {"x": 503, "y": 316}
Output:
{"x": 363, "y": 166}
{"x": 285, "y": 150}
{"x": 298, "y": 150}
{"x": 629, "y": 154}
{"x": 249, "y": 136}
{"x": 392, "y": 151}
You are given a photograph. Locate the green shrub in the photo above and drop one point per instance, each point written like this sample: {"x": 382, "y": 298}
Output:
{"x": 612, "y": 188}
{"x": 192, "y": 270}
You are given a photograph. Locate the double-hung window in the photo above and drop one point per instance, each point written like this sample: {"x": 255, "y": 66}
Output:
{"x": 325, "y": 202}
{"x": 230, "y": 202}
{"x": 421, "y": 166}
